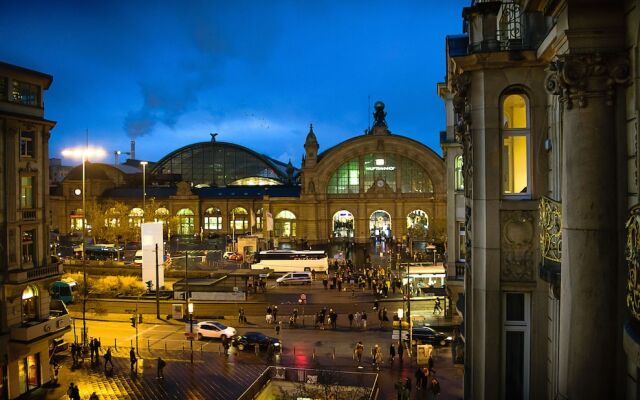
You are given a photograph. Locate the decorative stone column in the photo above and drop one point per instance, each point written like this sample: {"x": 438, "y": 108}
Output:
{"x": 586, "y": 85}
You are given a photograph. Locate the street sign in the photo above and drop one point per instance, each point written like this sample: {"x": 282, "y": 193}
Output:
{"x": 395, "y": 335}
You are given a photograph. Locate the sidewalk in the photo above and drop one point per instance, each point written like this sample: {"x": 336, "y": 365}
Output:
{"x": 212, "y": 376}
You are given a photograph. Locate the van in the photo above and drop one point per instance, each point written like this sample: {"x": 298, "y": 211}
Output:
{"x": 293, "y": 278}
{"x": 137, "y": 260}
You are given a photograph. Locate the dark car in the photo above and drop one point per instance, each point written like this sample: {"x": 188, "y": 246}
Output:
{"x": 426, "y": 334}
{"x": 251, "y": 339}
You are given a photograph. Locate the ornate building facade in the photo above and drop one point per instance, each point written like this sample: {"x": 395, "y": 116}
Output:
{"x": 544, "y": 96}
{"x": 364, "y": 190}
{"x": 29, "y": 319}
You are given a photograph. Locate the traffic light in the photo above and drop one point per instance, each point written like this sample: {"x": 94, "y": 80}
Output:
{"x": 133, "y": 321}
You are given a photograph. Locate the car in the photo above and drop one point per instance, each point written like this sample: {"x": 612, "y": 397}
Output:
{"x": 300, "y": 278}
{"x": 251, "y": 339}
{"x": 216, "y": 330}
{"x": 235, "y": 257}
{"x": 427, "y": 334}
{"x": 228, "y": 254}
{"x": 137, "y": 260}
{"x": 57, "y": 346}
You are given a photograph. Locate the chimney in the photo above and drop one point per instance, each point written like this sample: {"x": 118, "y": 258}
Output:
{"x": 133, "y": 150}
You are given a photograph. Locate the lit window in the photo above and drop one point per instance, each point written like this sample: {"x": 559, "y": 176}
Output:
{"x": 459, "y": 179}
{"x": 515, "y": 146}
{"x": 136, "y": 217}
{"x": 28, "y": 246}
{"x": 346, "y": 179}
{"x": 186, "y": 222}
{"x": 343, "y": 224}
{"x": 285, "y": 224}
{"x": 239, "y": 220}
{"x": 213, "y": 219}
{"x": 26, "y": 192}
{"x": 25, "y": 93}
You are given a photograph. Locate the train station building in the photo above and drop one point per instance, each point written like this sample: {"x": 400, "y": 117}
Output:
{"x": 373, "y": 189}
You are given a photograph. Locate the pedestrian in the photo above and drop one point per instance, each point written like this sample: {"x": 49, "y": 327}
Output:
{"x": 350, "y": 320}
{"x": 94, "y": 396}
{"x": 325, "y": 283}
{"x": 379, "y": 359}
{"x": 275, "y": 313}
{"x": 269, "y": 310}
{"x": 278, "y": 328}
{"x": 133, "y": 360}
{"x": 419, "y": 377}
{"x": 364, "y": 320}
{"x": 375, "y": 305}
{"x": 392, "y": 353}
{"x": 374, "y": 352}
{"x": 380, "y": 317}
{"x": 430, "y": 363}
{"x": 399, "y": 389}
{"x": 256, "y": 348}
{"x": 358, "y": 351}
{"x": 400, "y": 351}
{"x": 91, "y": 349}
{"x": 70, "y": 390}
{"x": 160, "y": 371}
{"x": 436, "y": 308}
{"x": 270, "y": 352}
{"x": 74, "y": 354}
{"x": 407, "y": 384}
{"x": 433, "y": 387}
{"x": 107, "y": 359}
{"x": 240, "y": 312}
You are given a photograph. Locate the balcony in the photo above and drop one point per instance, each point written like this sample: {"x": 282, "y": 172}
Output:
{"x": 58, "y": 321}
{"x": 550, "y": 239}
{"x": 29, "y": 215}
{"x": 23, "y": 276}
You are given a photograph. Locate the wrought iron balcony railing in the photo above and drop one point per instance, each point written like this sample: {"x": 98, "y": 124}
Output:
{"x": 632, "y": 256}
{"x": 510, "y": 27}
{"x": 550, "y": 229}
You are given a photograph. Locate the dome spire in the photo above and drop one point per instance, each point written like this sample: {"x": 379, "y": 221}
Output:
{"x": 311, "y": 147}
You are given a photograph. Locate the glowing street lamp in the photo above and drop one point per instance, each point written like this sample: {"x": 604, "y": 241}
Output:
{"x": 84, "y": 154}
{"x": 144, "y": 186}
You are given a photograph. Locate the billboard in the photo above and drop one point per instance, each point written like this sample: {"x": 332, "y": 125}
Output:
{"x": 151, "y": 235}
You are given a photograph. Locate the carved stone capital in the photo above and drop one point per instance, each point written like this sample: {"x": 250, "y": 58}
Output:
{"x": 577, "y": 77}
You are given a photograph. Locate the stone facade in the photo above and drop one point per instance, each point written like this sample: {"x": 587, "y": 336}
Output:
{"x": 27, "y": 322}
{"x": 560, "y": 239}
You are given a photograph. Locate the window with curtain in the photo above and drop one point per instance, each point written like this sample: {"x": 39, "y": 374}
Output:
{"x": 27, "y": 199}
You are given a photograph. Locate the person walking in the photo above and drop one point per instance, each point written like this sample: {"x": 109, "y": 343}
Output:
{"x": 436, "y": 308}
{"x": 358, "y": 352}
{"x": 364, "y": 320}
{"x": 107, "y": 359}
{"x": 275, "y": 313}
{"x": 94, "y": 396}
{"x": 91, "y": 350}
{"x": 374, "y": 352}
{"x": 133, "y": 360}
{"x": 392, "y": 353}
{"x": 160, "y": 371}
{"x": 400, "y": 351}
{"x": 278, "y": 328}
{"x": 351, "y": 317}
{"x": 379, "y": 359}
{"x": 419, "y": 377}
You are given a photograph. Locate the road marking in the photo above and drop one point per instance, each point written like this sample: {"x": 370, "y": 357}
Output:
{"x": 140, "y": 333}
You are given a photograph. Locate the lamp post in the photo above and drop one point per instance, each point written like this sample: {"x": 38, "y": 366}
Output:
{"x": 144, "y": 186}
{"x": 400, "y": 315}
{"x": 190, "y": 308}
{"x": 84, "y": 153}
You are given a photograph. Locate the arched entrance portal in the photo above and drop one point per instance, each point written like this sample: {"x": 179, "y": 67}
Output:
{"x": 343, "y": 225}
{"x": 380, "y": 225}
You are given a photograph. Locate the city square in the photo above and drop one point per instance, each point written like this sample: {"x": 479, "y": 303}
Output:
{"x": 330, "y": 200}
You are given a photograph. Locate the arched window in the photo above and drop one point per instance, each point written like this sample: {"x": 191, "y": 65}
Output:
{"x": 414, "y": 178}
{"x": 417, "y": 223}
{"x": 30, "y": 304}
{"x": 346, "y": 179}
{"x": 515, "y": 145}
{"x": 186, "y": 222}
{"x": 343, "y": 224}
{"x": 161, "y": 215}
{"x": 379, "y": 168}
{"x": 239, "y": 220}
{"x": 380, "y": 224}
{"x": 212, "y": 219}
{"x": 259, "y": 219}
{"x": 457, "y": 171}
{"x": 285, "y": 224}
{"x": 112, "y": 218}
{"x": 136, "y": 217}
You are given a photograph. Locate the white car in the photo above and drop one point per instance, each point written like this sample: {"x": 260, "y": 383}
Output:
{"x": 228, "y": 254}
{"x": 212, "y": 329}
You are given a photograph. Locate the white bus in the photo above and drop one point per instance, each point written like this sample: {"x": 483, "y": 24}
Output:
{"x": 291, "y": 260}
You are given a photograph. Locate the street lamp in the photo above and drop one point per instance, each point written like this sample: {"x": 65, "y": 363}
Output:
{"x": 84, "y": 153}
{"x": 190, "y": 309}
{"x": 144, "y": 186}
{"x": 400, "y": 315}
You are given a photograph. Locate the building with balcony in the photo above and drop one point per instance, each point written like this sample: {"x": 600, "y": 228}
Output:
{"x": 369, "y": 191}
{"x": 545, "y": 107}
{"x": 29, "y": 318}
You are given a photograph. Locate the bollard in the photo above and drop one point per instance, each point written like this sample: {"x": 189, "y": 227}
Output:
{"x": 115, "y": 344}
{"x": 183, "y": 347}
{"x": 334, "y": 354}
{"x": 165, "y": 347}
{"x": 200, "y": 349}
{"x": 314, "y": 354}
{"x": 148, "y": 345}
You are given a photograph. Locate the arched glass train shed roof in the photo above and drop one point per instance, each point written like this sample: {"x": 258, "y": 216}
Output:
{"x": 219, "y": 164}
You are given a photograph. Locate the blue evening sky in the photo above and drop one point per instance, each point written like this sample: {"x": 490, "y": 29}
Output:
{"x": 257, "y": 72}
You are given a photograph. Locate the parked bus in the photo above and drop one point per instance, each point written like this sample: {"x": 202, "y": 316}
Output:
{"x": 64, "y": 290}
{"x": 291, "y": 260}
